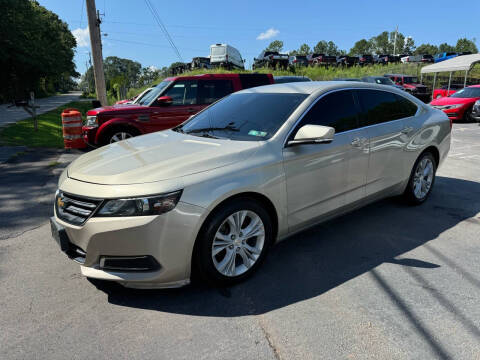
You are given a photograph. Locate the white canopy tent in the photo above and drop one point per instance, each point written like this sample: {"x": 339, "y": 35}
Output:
{"x": 459, "y": 63}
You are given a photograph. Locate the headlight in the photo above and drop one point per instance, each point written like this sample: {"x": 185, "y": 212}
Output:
{"x": 91, "y": 121}
{"x": 477, "y": 102}
{"x": 456, "y": 106}
{"x": 152, "y": 205}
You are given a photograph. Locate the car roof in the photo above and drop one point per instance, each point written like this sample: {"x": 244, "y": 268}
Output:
{"x": 311, "y": 87}
{"x": 206, "y": 76}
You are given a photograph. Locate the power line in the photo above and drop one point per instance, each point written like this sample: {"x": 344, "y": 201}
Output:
{"x": 163, "y": 28}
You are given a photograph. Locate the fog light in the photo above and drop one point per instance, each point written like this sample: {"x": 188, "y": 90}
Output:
{"x": 129, "y": 263}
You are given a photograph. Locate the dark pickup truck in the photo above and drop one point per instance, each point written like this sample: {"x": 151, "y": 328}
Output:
{"x": 321, "y": 60}
{"x": 344, "y": 60}
{"x": 271, "y": 59}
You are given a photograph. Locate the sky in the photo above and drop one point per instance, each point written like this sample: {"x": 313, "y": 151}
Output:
{"x": 130, "y": 30}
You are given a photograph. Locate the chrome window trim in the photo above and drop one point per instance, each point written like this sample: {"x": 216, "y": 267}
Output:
{"x": 360, "y": 127}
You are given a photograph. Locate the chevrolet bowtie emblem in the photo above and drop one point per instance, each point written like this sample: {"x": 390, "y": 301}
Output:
{"x": 60, "y": 202}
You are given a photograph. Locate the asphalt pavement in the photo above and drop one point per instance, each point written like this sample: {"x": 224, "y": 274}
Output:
{"x": 388, "y": 281}
{"x": 13, "y": 114}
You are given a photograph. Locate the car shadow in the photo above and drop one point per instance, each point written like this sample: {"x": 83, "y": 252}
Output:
{"x": 321, "y": 258}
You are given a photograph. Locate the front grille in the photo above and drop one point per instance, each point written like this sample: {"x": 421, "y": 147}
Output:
{"x": 75, "y": 209}
{"x": 452, "y": 114}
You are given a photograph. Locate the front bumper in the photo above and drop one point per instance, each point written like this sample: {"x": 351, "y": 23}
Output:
{"x": 168, "y": 238}
{"x": 89, "y": 134}
{"x": 453, "y": 114}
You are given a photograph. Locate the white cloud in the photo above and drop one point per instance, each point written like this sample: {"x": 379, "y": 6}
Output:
{"x": 82, "y": 36}
{"x": 268, "y": 34}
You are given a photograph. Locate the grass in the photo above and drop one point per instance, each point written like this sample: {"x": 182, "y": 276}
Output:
{"x": 49, "y": 132}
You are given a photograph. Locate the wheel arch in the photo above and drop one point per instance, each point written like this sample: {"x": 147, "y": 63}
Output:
{"x": 434, "y": 151}
{"x": 256, "y": 196}
{"x": 108, "y": 126}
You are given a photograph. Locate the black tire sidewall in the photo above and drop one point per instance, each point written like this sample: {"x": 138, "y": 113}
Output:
{"x": 409, "y": 192}
{"x": 203, "y": 263}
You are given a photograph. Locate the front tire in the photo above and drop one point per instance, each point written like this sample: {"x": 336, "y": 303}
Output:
{"x": 421, "y": 179}
{"x": 233, "y": 242}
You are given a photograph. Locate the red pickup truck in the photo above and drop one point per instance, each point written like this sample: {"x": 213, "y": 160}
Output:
{"x": 169, "y": 104}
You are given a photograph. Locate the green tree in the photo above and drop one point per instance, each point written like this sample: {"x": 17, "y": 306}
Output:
{"x": 426, "y": 49}
{"x": 321, "y": 47}
{"x": 464, "y": 45}
{"x": 408, "y": 46}
{"x": 444, "y": 47}
{"x": 304, "y": 50}
{"x": 36, "y": 48}
{"x": 276, "y": 45}
{"x": 361, "y": 47}
{"x": 381, "y": 43}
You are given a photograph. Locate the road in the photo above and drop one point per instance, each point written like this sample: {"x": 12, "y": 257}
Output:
{"x": 385, "y": 282}
{"x": 14, "y": 114}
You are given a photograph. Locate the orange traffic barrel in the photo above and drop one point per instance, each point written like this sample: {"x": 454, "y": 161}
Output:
{"x": 72, "y": 129}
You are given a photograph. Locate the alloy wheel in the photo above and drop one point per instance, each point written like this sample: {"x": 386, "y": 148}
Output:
{"x": 238, "y": 243}
{"x": 119, "y": 136}
{"x": 423, "y": 177}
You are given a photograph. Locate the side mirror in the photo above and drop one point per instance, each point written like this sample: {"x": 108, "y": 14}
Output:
{"x": 165, "y": 100}
{"x": 313, "y": 134}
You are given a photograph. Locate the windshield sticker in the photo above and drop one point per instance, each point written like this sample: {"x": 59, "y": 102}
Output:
{"x": 257, "y": 133}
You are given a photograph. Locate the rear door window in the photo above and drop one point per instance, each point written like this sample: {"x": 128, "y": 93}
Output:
{"x": 337, "y": 110}
{"x": 383, "y": 106}
{"x": 210, "y": 91}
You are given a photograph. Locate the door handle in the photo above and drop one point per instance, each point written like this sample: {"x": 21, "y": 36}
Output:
{"x": 191, "y": 110}
{"x": 407, "y": 130}
{"x": 358, "y": 142}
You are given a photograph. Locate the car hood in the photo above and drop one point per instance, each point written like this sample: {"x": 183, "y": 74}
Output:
{"x": 124, "y": 107}
{"x": 452, "y": 101}
{"x": 156, "y": 157}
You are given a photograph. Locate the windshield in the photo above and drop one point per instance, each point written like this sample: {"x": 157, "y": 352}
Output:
{"x": 467, "y": 93}
{"x": 245, "y": 116}
{"x": 384, "y": 81}
{"x": 141, "y": 96}
{"x": 154, "y": 94}
{"x": 410, "y": 80}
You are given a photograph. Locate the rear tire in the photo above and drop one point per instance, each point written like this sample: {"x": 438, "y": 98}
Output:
{"x": 421, "y": 180}
{"x": 227, "y": 253}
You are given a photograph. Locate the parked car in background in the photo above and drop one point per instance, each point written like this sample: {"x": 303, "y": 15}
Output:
{"x": 209, "y": 198}
{"x": 384, "y": 59}
{"x": 476, "y": 111}
{"x": 365, "y": 59}
{"x": 411, "y": 59}
{"x": 444, "y": 56}
{"x": 443, "y": 91}
{"x": 200, "y": 63}
{"x": 381, "y": 80}
{"x": 289, "y": 79}
{"x": 459, "y": 105}
{"x": 427, "y": 59}
{"x": 135, "y": 99}
{"x": 298, "y": 60}
{"x": 345, "y": 60}
{"x": 322, "y": 60}
{"x": 410, "y": 84}
{"x": 169, "y": 104}
{"x": 270, "y": 59}
{"x": 226, "y": 56}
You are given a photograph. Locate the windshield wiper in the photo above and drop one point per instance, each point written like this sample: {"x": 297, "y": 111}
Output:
{"x": 228, "y": 127}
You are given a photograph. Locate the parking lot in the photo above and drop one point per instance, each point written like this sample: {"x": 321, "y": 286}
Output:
{"x": 385, "y": 282}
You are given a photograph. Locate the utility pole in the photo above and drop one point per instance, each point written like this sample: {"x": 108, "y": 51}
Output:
{"x": 96, "y": 43}
{"x": 395, "y": 41}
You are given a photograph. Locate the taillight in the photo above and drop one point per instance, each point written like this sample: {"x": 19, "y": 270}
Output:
{"x": 295, "y": 61}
